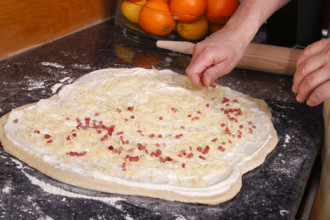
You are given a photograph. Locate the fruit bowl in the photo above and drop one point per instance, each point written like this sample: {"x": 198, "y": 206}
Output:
{"x": 165, "y": 20}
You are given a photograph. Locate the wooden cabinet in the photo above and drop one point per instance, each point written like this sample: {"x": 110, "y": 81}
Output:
{"x": 29, "y": 23}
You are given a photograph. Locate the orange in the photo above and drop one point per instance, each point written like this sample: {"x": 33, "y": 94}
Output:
{"x": 188, "y": 10}
{"x": 193, "y": 31}
{"x": 155, "y": 18}
{"x": 219, "y": 11}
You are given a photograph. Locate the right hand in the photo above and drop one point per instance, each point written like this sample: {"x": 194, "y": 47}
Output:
{"x": 213, "y": 57}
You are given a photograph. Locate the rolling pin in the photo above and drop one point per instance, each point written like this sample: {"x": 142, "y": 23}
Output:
{"x": 260, "y": 57}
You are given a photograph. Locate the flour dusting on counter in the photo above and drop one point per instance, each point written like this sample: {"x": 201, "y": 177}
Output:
{"x": 32, "y": 84}
{"x": 58, "y": 191}
{"x": 81, "y": 66}
{"x": 63, "y": 81}
{"x": 56, "y": 65}
{"x": 287, "y": 140}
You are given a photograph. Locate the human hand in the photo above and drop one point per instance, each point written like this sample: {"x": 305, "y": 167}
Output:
{"x": 311, "y": 81}
{"x": 213, "y": 57}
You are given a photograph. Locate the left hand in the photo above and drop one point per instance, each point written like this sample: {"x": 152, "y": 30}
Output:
{"x": 311, "y": 81}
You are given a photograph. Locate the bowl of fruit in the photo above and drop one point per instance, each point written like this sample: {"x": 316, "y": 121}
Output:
{"x": 190, "y": 20}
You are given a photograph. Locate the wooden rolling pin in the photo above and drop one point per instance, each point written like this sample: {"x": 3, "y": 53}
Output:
{"x": 260, "y": 57}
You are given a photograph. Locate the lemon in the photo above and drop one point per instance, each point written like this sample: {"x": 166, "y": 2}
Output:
{"x": 193, "y": 31}
{"x": 131, "y": 10}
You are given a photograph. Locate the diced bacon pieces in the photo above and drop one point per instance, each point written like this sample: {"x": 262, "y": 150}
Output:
{"x": 77, "y": 154}
{"x": 214, "y": 140}
{"x": 206, "y": 149}
{"x": 166, "y": 159}
{"x": 224, "y": 100}
{"x": 123, "y": 167}
{"x": 141, "y": 147}
{"x": 47, "y": 136}
{"x": 132, "y": 158}
{"x": 120, "y": 133}
{"x": 178, "y": 136}
{"x": 221, "y": 148}
{"x": 156, "y": 153}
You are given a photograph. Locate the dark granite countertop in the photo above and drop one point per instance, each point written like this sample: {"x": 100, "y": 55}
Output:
{"x": 272, "y": 191}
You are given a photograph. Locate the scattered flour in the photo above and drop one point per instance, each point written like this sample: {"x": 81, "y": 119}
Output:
{"x": 66, "y": 79}
{"x": 46, "y": 187}
{"x": 82, "y": 66}
{"x": 287, "y": 140}
{"x": 56, "y": 65}
{"x": 6, "y": 190}
{"x": 284, "y": 212}
{"x": 58, "y": 191}
{"x": 35, "y": 84}
{"x": 19, "y": 164}
{"x": 45, "y": 218}
{"x": 56, "y": 87}
{"x": 180, "y": 217}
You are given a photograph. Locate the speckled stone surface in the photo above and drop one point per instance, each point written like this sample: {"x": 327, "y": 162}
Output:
{"x": 272, "y": 191}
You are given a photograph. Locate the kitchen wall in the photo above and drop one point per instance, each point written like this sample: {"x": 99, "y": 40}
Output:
{"x": 25, "y": 24}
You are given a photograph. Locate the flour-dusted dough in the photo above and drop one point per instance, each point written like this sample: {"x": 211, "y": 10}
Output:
{"x": 143, "y": 132}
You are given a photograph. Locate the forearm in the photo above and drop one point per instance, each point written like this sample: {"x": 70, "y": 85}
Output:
{"x": 249, "y": 17}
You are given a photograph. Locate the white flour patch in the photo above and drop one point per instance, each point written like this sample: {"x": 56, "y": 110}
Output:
{"x": 129, "y": 217}
{"x": 82, "y": 66}
{"x": 19, "y": 164}
{"x": 35, "y": 84}
{"x": 284, "y": 212}
{"x": 45, "y": 218}
{"x": 180, "y": 217}
{"x": 6, "y": 190}
{"x": 67, "y": 80}
{"x": 287, "y": 140}
{"x": 46, "y": 187}
{"x": 56, "y": 65}
{"x": 57, "y": 86}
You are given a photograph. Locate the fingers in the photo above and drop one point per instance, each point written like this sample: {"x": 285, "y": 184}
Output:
{"x": 311, "y": 50}
{"x": 309, "y": 61}
{"x": 312, "y": 78}
{"x": 319, "y": 95}
{"x": 303, "y": 76}
{"x": 311, "y": 83}
{"x": 202, "y": 60}
{"x": 211, "y": 75}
